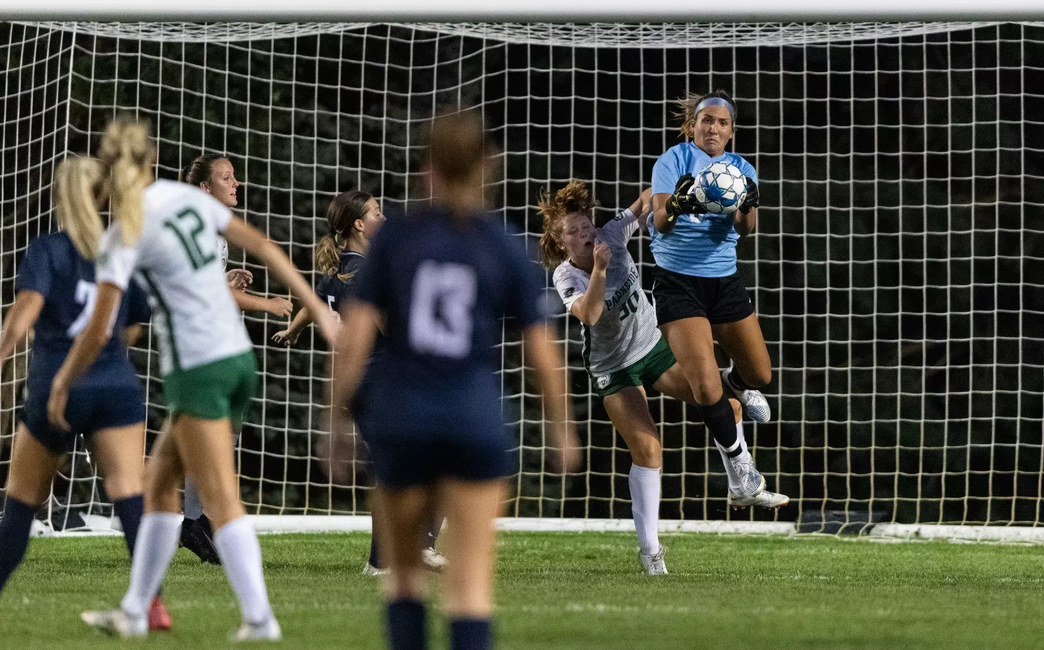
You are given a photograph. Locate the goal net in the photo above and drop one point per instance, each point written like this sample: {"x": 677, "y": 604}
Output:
{"x": 896, "y": 269}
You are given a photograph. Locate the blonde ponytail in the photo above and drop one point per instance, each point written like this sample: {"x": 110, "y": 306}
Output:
{"x": 129, "y": 154}
{"x": 79, "y": 184}
{"x": 327, "y": 255}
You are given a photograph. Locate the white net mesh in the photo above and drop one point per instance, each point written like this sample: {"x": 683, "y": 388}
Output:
{"x": 893, "y": 269}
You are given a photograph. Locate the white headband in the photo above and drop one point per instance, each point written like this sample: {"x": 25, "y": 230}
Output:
{"x": 716, "y": 101}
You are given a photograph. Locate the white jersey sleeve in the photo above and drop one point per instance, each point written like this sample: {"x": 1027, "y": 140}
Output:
{"x": 570, "y": 282}
{"x": 116, "y": 262}
{"x": 618, "y": 231}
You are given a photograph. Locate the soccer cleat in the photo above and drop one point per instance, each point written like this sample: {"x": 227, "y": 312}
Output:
{"x": 195, "y": 537}
{"x": 370, "y": 570}
{"x": 752, "y": 490}
{"x": 754, "y": 404}
{"x": 159, "y": 617}
{"x": 653, "y": 564}
{"x": 432, "y": 560}
{"x": 267, "y": 630}
{"x": 117, "y": 623}
{"x": 765, "y": 499}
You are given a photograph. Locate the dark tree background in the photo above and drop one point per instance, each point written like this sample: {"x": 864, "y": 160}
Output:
{"x": 897, "y": 267}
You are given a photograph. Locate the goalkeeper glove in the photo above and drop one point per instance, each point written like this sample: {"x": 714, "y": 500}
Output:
{"x": 681, "y": 202}
{"x": 753, "y": 199}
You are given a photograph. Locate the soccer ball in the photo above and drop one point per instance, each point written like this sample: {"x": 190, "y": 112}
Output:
{"x": 721, "y": 187}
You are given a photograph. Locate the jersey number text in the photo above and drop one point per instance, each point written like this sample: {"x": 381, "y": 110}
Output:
{"x": 86, "y": 295}
{"x": 441, "y": 319}
{"x": 187, "y": 228}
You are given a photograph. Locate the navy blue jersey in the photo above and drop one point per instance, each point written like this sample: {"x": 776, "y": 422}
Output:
{"x": 54, "y": 268}
{"x": 443, "y": 285}
{"x": 335, "y": 290}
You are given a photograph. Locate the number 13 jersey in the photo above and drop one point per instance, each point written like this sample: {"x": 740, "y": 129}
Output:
{"x": 177, "y": 256}
{"x": 627, "y": 330}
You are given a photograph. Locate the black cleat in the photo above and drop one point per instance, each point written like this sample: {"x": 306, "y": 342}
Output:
{"x": 196, "y": 537}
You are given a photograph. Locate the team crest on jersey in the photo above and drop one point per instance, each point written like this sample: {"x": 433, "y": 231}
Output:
{"x": 602, "y": 381}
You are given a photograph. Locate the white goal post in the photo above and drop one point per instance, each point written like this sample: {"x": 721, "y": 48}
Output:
{"x": 895, "y": 269}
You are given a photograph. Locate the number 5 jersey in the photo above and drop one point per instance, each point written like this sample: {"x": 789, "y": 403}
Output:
{"x": 177, "y": 256}
{"x": 627, "y": 330}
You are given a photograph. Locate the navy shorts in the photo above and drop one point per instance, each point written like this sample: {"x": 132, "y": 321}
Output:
{"x": 90, "y": 409}
{"x": 413, "y": 445}
{"x": 719, "y": 300}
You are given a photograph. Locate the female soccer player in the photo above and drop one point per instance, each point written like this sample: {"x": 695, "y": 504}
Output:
{"x": 55, "y": 293}
{"x": 440, "y": 280}
{"x": 353, "y": 219}
{"x": 166, "y": 232}
{"x": 699, "y": 294}
{"x": 598, "y": 281}
{"x": 214, "y": 174}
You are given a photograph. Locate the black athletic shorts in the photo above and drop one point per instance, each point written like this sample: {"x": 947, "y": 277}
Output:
{"x": 719, "y": 300}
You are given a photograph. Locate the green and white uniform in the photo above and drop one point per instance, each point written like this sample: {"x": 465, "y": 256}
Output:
{"x": 624, "y": 348}
{"x": 205, "y": 353}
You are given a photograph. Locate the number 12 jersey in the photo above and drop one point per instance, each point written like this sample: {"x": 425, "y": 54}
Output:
{"x": 178, "y": 257}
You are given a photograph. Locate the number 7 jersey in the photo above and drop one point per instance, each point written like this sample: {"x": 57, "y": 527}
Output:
{"x": 177, "y": 257}
{"x": 627, "y": 330}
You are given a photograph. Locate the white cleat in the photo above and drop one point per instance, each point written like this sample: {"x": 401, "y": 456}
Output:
{"x": 267, "y": 630}
{"x": 765, "y": 499}
{"x": 653, "y": 564}
{"x": 754, "y": 404}
{"x": 432, "y": 560}
{"x": 117, "y": 623}
{"x": 752, "y": 490}
{"x": 370, "y": 570}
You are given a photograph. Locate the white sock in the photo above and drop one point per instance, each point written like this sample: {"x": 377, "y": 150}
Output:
{"x": 734, "y": 478}
{"x": 645, "y": 506}
{"x": 193, "y": 507}
{"x": 157, "y": 540}
{"x": 240, "y": 555}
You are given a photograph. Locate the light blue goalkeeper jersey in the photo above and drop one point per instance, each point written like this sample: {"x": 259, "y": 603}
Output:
{"x": 705, "y": 248}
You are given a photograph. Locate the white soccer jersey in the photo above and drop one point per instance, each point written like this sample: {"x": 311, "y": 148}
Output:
{"x": 627, "y": 330}
{"x": 177, "y": 256}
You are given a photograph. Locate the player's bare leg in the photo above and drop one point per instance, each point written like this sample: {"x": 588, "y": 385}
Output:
{"x": 32, "y": 468}
{"x": 402, "y": 524}
{"x": 471, "y": 509}
{"x": 628, "y": 410}
{"x": 744, "y": 342}
{"x": 205, "y": 446}
{"x": 157, "y": 541}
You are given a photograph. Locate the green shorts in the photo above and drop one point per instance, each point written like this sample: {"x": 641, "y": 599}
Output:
{"x": 215, "y": 391}
{"x": 644, "y": 371}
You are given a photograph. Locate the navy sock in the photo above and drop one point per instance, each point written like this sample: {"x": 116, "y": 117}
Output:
{"x": 375, "y": 552}
{"x": 130, "y": 511}
{"x": 15, "y": 526}
{"x": 407, "y": 625}
{"x": 470, "y": 634}
{"x": 721, "y": 422}
{"x": 737, "y": 382}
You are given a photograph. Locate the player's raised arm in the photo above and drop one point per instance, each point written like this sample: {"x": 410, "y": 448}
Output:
{"x": 251, "y": 240}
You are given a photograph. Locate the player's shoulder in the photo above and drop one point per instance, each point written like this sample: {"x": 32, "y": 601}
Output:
{"x": 349, "y": 265}
{"x": 739, "y": 161}
{"x": 165, "y": 193}
{"x": 53, "y": 244}
{"x": 566, "y": 272}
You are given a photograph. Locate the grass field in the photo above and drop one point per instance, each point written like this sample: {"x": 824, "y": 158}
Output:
{"x": 559, "y": 591}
